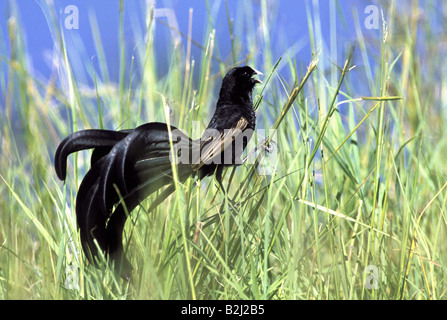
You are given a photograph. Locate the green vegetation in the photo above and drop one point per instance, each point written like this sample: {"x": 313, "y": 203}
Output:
{"x": 359, "y": 183}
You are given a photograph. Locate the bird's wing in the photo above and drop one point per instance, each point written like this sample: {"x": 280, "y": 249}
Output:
{"x": 213, "y": 146}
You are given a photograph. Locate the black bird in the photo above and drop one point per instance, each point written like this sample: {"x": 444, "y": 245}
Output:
{"x": 129, "y": 165}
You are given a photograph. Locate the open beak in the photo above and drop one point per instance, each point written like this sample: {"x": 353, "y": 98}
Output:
{"x": 255, "y": 80}
{"x": 259, "y": 73}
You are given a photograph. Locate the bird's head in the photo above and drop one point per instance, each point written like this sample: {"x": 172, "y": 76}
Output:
{"x": 238, "y": 83}
{"x": 243, "y": 77}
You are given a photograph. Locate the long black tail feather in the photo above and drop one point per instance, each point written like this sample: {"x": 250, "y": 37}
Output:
{"x": 126, "y": 168}
{"x": 85, "y": 139}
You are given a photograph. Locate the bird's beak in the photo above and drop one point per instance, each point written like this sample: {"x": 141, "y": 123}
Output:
{"x": 259, "y": 73}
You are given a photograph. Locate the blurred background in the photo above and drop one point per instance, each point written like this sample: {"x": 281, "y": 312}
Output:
{"x": 95, "y": 46}
{"x": 98, "y": 22}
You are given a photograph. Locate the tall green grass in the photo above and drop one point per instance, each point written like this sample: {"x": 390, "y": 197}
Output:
{"x": 360, "y": 180}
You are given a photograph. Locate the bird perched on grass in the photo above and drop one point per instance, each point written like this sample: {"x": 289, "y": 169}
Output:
{"x": 129, "y": 165}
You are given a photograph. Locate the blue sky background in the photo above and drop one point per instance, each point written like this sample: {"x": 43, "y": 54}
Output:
{"x": 290, "y": 28}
